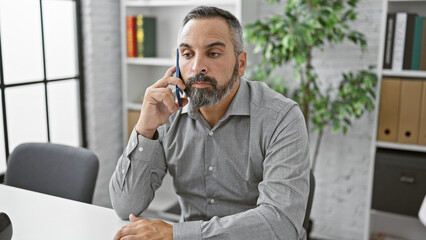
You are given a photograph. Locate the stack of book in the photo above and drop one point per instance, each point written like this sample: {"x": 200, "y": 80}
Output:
{"x": 405, "y": 42}
{"x": 141, "y": 36}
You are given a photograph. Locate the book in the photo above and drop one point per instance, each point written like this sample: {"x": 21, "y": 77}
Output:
{"x": 417, "y": 43}
{"x": 131, "y": 36}
{"x": 145, "y": 36}
{"x": 423, "y": 50}
{"x": 399, "y": 41}
{"x": 389, "y": 37}
{"x": 409, "y": 39}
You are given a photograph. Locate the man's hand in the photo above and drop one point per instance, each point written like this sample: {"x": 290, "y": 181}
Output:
{"x": 158, "y": 104}
{"x": 145, "y": 229}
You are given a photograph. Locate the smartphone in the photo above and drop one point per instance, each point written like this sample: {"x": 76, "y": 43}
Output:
{"x": 178, "y": 76}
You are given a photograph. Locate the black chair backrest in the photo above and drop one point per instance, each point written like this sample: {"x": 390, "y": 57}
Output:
{"x": 54, "y": 169}
{"x": 310, "y": 200}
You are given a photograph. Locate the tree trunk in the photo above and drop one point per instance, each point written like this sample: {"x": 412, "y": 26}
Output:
{"x": 306, "y": 82}
{"x": 317, "y": 147}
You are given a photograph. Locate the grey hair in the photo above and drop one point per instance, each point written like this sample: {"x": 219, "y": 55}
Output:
{"x": 204, "y": 12}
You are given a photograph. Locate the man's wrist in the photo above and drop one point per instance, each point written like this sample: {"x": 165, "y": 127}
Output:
{"x": 149, "y": 134}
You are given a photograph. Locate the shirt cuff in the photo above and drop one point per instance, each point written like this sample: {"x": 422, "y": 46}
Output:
{"x": 142, "y": 144}
{"x": 187, "y": 230}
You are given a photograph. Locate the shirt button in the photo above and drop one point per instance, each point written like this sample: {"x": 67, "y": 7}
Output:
{"x": 122, "y": 171}
{"x": 212, "y": 201}
{"x": 133, "y": 144}
{"x": 140, "y": 149}
{"x": 211, "y": 133}
{"x": 210, "y": 168}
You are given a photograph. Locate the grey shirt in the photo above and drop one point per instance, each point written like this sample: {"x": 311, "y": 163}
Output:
{"x": 245, "y": 178}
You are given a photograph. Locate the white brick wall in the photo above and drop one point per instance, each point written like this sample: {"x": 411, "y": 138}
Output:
{"x": 342, "y": 171}
{"x": 101, "y": 33}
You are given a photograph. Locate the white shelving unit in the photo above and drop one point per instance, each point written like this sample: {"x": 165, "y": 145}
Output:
{"x": 403, "y": 226}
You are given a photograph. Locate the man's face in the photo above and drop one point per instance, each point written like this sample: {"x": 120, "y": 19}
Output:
{"x": 207, "y": 61}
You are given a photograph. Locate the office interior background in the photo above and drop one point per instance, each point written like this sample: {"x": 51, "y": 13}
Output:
{"x": 66, "y": 86}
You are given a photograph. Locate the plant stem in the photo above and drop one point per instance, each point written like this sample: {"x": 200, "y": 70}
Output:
{"x": 317, "y": 147}
{"x": 306, "y": 80}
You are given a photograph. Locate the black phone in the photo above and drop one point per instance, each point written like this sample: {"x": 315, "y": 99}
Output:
{"x": 178, "y": 76}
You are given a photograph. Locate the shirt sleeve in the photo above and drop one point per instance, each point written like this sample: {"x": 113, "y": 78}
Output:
{"x": 139, "y": 172}
{"x": 283, "y": 192}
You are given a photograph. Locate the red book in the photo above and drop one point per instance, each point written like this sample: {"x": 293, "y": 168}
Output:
{"x": 131, "y": 36}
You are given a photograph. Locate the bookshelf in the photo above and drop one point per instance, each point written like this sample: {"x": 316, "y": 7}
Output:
{"x": 380, "y": 221}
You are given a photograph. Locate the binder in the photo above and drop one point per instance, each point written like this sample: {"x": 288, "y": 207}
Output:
{"x": 399, "y": 41}
{"x": 131, "y": 36}
{"x": 146, "y": 36}
{"x": 409, "y": 114}
{"x": 390, "y": 32}
{"x": 422, "y": 132}
{"x": 389, "y": 109}
{"x": 409, "y": 40}
{"x": 417, "y": 44}
{"x": 423, "y": 53}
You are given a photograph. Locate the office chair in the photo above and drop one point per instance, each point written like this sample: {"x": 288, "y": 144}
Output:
{"x": 307, "y": 223}
{"x": 54, "y": 169}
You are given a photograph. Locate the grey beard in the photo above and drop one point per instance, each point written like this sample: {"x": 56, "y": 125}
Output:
{"x": 206, "y": 97}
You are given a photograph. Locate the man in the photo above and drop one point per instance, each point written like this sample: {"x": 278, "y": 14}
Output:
{"x": 237, "y": 151}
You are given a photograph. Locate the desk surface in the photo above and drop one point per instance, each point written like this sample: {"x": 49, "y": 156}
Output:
{"x": 39, "y": 216}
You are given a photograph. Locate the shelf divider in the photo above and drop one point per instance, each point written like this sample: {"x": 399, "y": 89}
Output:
{"x": 167, "y": 62}
{"x": 165, "y": 3}
{"x": 404, "y": 73}
{"x": 401, "y": 146}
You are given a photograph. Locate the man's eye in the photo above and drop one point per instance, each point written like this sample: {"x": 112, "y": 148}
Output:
{"x": 187, "y": 55}
{"x": 214, "y": 54}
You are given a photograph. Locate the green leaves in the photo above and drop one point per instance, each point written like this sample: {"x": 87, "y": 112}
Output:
{"x": 304, "y": 25}
{"x": 350, "y": 100}
{"x": 290, "y": 38}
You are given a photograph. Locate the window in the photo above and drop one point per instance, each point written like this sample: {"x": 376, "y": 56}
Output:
{"x": 41, "y": 74}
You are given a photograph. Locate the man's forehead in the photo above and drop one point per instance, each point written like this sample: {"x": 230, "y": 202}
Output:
{"x": 206, "y": 29}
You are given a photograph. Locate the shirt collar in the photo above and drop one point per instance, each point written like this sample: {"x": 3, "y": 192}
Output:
{"x": 240, "y": 105}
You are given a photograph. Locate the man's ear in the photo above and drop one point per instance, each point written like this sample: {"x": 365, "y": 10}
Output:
{"x": 242, "y": 60}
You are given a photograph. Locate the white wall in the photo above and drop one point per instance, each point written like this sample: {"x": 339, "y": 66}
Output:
{"x": 101, "y": 33}
{"x": 340, "y": 203}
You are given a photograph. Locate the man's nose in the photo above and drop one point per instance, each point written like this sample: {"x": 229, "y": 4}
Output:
{"x": 199, "y": 65}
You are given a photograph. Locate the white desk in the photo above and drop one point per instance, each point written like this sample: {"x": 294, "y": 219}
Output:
{"x": 422, "y": 212}
{"x": 37, "y": 216}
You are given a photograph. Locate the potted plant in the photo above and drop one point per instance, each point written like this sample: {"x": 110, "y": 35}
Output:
{"x": 304, "y": 26}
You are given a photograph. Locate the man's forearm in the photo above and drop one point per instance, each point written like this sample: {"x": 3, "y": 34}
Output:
{"x": 263, "y": 222}
{"x": 138, "y": 174}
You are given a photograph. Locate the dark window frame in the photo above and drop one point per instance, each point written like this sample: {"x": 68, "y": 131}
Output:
{"x": 79, "y": 77}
